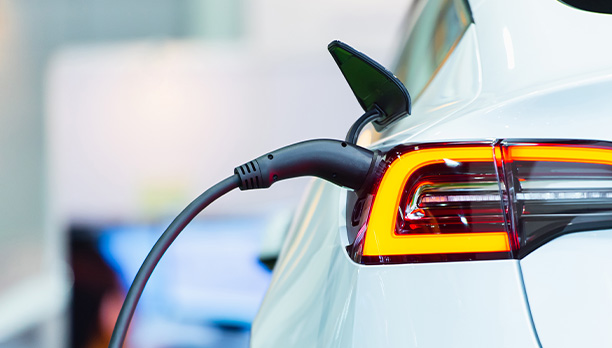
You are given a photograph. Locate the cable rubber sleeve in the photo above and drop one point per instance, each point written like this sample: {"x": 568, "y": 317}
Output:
{"x": 369, "y": 116}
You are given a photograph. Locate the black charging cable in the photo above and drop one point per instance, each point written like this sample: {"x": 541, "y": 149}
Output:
{"x": 158, "y": 250}
{"x": 339, "y": 162}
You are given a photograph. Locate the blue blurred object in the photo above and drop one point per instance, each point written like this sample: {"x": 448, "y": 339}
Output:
{"x": 210, "y": 276}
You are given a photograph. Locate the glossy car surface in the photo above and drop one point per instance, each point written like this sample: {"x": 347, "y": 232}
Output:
{"x": 521, "y": 69}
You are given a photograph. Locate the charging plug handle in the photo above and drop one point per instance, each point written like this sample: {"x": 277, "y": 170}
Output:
{"x": 342, "y": 163}
{"x": 339, "y": 162}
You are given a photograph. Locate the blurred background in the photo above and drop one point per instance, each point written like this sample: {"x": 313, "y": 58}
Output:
{"x": 115, "y": 114}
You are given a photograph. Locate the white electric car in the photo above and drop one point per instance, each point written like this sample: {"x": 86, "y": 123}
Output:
{"x": 492, "y": 223}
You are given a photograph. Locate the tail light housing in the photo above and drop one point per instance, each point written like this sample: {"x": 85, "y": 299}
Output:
{"x": 482, "y": 200}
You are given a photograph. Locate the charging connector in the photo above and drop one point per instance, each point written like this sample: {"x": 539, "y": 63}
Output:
{"x": 339, "y": 162}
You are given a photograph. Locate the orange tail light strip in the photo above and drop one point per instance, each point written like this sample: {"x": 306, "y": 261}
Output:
{"x": 560, "y": 154}
{"x": 381, "y": 239}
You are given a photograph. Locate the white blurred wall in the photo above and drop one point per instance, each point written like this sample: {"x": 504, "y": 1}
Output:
{"x": 126, "y": 110}
{"x": 137, "y": 129}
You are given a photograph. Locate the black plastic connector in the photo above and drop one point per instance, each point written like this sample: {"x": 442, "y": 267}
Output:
{"x": 336, "y": 161}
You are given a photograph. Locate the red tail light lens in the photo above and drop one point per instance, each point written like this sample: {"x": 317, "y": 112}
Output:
{"x": 487, "y": 200}
{"x": 556, "y": 188}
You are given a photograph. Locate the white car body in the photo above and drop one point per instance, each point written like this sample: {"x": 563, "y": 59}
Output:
{"x": 524, "y": 69}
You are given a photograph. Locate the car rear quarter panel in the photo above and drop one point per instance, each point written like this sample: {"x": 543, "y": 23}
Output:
{"x": 320, "y": 298}
{"x": 502, "y": 81}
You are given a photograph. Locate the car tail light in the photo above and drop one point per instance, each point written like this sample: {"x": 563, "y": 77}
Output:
{"x": 484, "y": 200}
